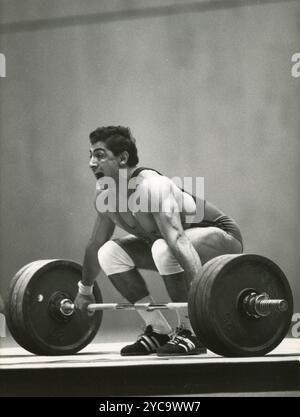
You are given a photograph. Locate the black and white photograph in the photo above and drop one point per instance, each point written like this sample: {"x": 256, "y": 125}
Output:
{"x": 150, "y": 205}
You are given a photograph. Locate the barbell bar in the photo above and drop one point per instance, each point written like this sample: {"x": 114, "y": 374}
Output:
{"x": 254, "y": 305}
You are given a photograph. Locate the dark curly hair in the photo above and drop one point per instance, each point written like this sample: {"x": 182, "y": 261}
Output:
{"x": 117, "y": 139}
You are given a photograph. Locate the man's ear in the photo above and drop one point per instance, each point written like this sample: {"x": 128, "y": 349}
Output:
{"x": 124, "y": 156}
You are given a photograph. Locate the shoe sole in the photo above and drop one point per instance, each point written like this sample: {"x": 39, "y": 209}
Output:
{"x": 138, "y": 354}
{"x": 200, "y": 352}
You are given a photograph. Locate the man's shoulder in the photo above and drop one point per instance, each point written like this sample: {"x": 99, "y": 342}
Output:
{"x": 151, "y": 181}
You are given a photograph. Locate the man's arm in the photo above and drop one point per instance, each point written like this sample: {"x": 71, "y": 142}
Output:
{"x": 102, "y": 232}
{"x": 169, "y": 224}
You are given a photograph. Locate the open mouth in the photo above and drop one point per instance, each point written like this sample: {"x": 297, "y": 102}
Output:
{"x": 99, "y": 175}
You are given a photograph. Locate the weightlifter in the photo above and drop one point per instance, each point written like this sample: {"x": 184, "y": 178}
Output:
{"x": 161, "y": 237}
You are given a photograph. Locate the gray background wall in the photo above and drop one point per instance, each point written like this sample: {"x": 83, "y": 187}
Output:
{"x": 205, "y": 94}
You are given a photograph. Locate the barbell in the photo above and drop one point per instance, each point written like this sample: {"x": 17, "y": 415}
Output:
{"x": 241, "y": 305}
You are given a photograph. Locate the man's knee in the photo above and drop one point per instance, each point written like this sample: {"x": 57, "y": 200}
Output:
{"x": 165, "y": 261}
{"x": 120, "y": 269}
{"x": 113, "y": 259}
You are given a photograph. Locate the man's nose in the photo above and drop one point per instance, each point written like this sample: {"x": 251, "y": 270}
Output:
{"x": 93, "y": 162}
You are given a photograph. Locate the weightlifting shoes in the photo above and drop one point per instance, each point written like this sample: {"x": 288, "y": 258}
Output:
{"x": 182, "y": 342}
{"x": 147, "y": 343}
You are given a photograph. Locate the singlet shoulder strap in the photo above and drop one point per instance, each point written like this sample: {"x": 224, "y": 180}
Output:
{"x": 137, "y": 171}
{"x": 140, "y": 169}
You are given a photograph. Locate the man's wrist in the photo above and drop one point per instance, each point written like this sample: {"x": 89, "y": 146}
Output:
{"x": 84, "y": 289}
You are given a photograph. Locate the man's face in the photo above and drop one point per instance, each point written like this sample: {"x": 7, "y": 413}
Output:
{"x": 103, "y": 162}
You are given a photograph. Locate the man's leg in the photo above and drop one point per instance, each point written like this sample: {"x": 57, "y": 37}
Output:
{"x": 120, "y": 259}
{"x": 209, "y": 242}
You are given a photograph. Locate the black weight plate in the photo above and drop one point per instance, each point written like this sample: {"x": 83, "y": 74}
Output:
{"x": 228, "y": 331}
{"x": 10, "y": 303}
{"x": 194, "y": 300}
{"x": 34, "y": 327}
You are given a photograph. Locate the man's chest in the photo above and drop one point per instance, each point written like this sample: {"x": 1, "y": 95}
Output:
{"x": 129, "y": 213}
